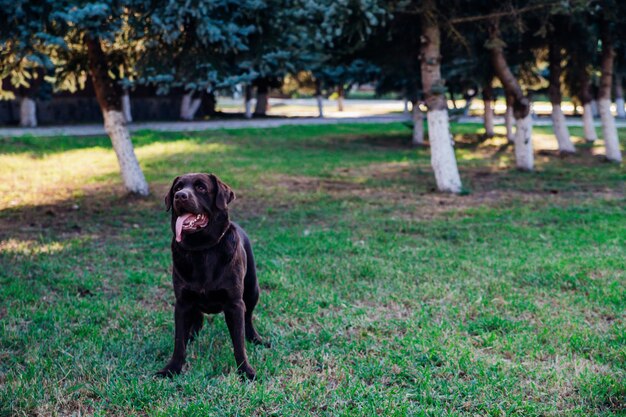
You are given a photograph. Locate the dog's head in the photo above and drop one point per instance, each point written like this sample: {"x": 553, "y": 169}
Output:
{"x": 197, "y": 201}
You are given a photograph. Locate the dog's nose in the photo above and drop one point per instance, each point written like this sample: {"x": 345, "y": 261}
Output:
{"x": 181, "y": 195}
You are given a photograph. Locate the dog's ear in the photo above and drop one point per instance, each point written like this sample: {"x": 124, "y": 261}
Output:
{"x": 169, "y": 197}
{"x": 223, "y": 193}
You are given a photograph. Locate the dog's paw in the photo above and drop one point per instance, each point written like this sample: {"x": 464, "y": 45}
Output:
{"x": 247, "y": 372}
{"x": 257, "y": 341}
{"x": 169, "y": 371}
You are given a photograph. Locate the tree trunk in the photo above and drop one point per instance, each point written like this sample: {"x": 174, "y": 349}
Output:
{"x": 453, "y": 100}
{"x": 588, "y": 125}
{"x": 184, "y": 106}
{"x": 468, "y": 105}
{"x": 521, "y": 104}
{"x": 189, "y": 106}
{"x": 524, "y": 156}
{"x": 561, "y": 132}
{"x": 443, "y": 159}
{"x": 248, "y": 101}
{"x": 418, "y": 126}
{"x": 488, "y": 109}
{"x": 320, "y": 106}
{"x": 594, "y": 108}
{"x": 619, "y": 97}
{"x": 319, "y": 98}
{"x": 261, "y": 104}
{"x": 340, "y": 96}
{"x": 193, "y": 108}
{"x": 208, "y": 103}
{"x": 584, "y": 95}
{"x": 28, "y": 112}
{"x": 609, "y": 130}
{"x": 509, "y": 120}
{"x": 109, "y": 94}
{"x": 26, "y": 98}
{"x": 406, "y": 107}
{"x": 262, "y": 91}
{"x": 128, "y": 116}
{"x": 554, "y": 91}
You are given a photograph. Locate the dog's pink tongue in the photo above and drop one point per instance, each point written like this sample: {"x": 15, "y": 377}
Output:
{"x": 179, "y": 225}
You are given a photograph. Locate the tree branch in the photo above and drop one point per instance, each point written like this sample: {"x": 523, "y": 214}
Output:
{"x": 502, "y": 13}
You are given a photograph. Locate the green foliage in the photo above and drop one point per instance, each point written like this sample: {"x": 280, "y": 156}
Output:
{"x": 199, "y": 46}
{"x": 339, "y": 34}
{"x": 51, "y": 35}
{"x": 356, "y": 72}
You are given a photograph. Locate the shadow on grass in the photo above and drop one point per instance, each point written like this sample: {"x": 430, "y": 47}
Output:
{"x": 38, "y": 146}
{"x": 302, "y": 164}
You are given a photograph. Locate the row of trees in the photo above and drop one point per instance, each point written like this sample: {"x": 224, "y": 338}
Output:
{"x": 422, "y": 49}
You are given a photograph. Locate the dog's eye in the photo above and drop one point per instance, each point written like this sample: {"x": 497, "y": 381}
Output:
{"x": 200, "y": 188}
{"x": 178, "y": 187}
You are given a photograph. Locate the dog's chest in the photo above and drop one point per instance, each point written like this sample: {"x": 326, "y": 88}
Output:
{"x": 200, "y": 272}
{"x": 203, "y": 272}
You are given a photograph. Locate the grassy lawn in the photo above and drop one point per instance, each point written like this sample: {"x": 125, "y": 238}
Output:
{"x": 380, "y": 296}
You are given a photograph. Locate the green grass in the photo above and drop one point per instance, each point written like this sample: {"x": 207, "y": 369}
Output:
{"x": 380, "y": 296}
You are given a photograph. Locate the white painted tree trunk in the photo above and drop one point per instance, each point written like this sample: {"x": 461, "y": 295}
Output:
{"x": 509, "y": 122}
{"x": 418, "y": 126}
{"x": 193, "y": 107}
{"x": 28, "y": 112}
{"x": 340, "y": 103}
{"x": 560, "y": 130}
{"x": 248, "y": 105}
{"x": 594, "y": 108}
{"x": 115, "y": 126}
{"x": 128, "y": 115}
{"x": 609, "y": 131}
{"x": 320, "y": 106}
{"x": 619, "y": 105}
{"x": 442, "y": 156}
{"x": 588, "y": 125}
{"x": 524, "y": 158}
{"x": 488, "y": 118}
{"x": 184, "y": 106}
{"x": 189, "y": 106}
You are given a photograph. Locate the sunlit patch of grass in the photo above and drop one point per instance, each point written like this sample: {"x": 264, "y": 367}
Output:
{"x": 26, "y": 179}
{"x": 30, "y": 247}
{"x": 188, "y": 147}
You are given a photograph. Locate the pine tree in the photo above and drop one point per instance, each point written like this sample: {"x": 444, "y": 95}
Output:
{"x": 76, "y": 40}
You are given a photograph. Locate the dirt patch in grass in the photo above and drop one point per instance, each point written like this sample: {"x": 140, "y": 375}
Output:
{"x": 398, "y": 184}
{"x": 303, "y": 184}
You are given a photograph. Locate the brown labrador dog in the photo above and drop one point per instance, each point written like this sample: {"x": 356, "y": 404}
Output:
{"x": 214, "y": 268}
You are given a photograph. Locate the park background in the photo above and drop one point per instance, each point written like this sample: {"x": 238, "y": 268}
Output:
{"x": 451, "y": 242}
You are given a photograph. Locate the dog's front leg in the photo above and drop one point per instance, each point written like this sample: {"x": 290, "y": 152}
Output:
{"x": 181, "y": 335}
{"x": 234, "y": 314}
